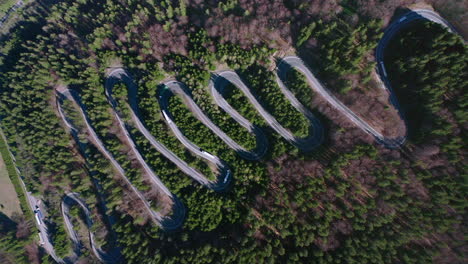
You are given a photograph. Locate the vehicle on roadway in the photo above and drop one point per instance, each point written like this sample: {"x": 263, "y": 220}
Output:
{"x": 166, "y": 116}
{"x": 41, "y": 240}
{"x": 227, "y": 176}
{"x": 383, "y": 68}
{"x": 208, "y": 154}
{"x": 38, "y": 219}
{"x": 38, "y": 211}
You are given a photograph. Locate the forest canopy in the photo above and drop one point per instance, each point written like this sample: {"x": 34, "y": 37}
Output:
{"x": 350, "y": 200}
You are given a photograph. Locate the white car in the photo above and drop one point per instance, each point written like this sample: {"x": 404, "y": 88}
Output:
{"x": 227, "y": 176}
{"x": 41, "y": 239}
{"x": 166, "y": 117}
{"x": 38, "y": 219}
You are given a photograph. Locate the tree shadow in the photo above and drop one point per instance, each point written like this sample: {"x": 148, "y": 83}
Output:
{"x": 6, "y": 223}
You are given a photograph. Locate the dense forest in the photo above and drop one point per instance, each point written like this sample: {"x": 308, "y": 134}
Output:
{"x": 351, "y": 200}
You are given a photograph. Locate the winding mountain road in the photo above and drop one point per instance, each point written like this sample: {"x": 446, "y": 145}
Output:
{"x": 297, "y": 63}
{"x": 167, "y": 223}
{"x": 72, "y": 96}
{"x": 105, "y": 257}
{"x": 48, "y": 246}
{"x": 315, "y": 138}
{"x": 179, "y": 89}
{"x": 178, "y": 212}
{"x": 293, "y": 62}
{"x": 217, "y": 85}
{"x": 34, "y": 204}
{"x": 390, "y": 32}
{"x": 224, "y": 177}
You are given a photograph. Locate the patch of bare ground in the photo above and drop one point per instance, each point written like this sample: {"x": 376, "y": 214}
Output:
{"x": 456, "y": 12}
{"x": 341, "y": 131}
{"x": 372, "y": 104}
{"x": 384, "y": 9}
{"x": 420, "y": 5}
{"x": 280, "y": 53}
{"x": 218, "y": 65}
{"x": 85, "y": 260}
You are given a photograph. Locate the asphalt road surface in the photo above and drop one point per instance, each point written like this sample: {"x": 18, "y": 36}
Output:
{"x": 390, "y": 32}
{"x": 225, "y": 174}
{"x": 72, "y": 96}
{"x": 105, "y": 257}
{"x": 179, "y": 89}
{"x": 315, "y": 137}
{"x": 216, "y": 86}
{"x": 178, "y": 210}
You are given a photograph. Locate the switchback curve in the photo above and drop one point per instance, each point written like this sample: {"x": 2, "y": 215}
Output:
{"x": 225, "y": 175}
{"x": 178, "y": 88}
{"x": 289, "y": 61}
{"x": 309, "y": 143}
{"x": 390, "y": 32}
{"x": 103, "y": 256}
{"x": 156, "y": 217}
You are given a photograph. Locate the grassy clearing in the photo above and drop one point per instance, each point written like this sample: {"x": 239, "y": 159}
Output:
{"x": 14, "y": 179}
{"x": 9, "y": 202}
{"x": 5, "y": 5}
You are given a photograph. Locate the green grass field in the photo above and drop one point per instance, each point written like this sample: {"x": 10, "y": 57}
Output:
{"x": 9, "y": 202}
{"x": 5, "y": 5}
{"x": 12, "y": 179}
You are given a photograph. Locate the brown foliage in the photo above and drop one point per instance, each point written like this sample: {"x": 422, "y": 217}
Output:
{"x": 341, "y": 130}
{"x": 163, "y": 43}
{"x": 32, "y": 251}
{"x": 382, "y": 9}
{"x": 373, "y": 105}
{"x": 23, "y": 229}
{"x": 258, "y": 22}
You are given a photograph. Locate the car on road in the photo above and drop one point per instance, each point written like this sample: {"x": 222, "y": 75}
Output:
{"x": 166, "y": 116}
{"x": 383, "y": 68}
{"x": 38, "y": 219}
{"x": 227, "y": 176}
{"x": 41, "y": 239}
